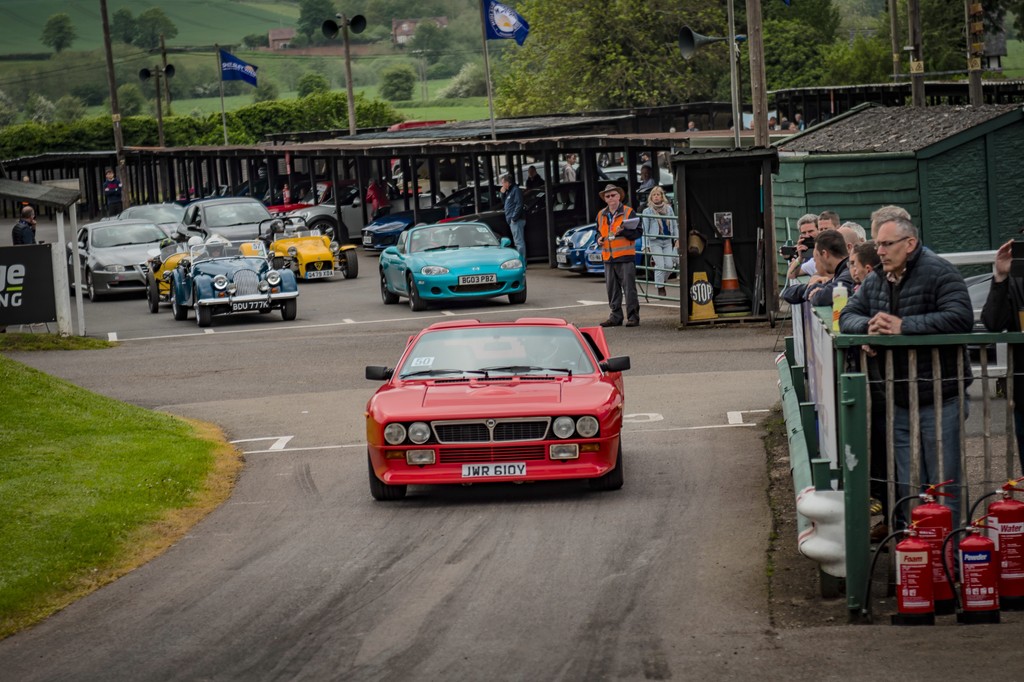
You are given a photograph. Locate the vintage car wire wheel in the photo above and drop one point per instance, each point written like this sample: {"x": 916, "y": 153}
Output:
{"x": 289, "y": 309}
{"x": 381, "y": 490}
{"x": 389, "y": 297}
{"x": 349, "y": 264}
{"x": 613, "y": 480}
{"x": 152, "y": 294}
{"x": 179, "y": 311}
{"x": 518, "y": 297}
{"x": 416, "y": 304}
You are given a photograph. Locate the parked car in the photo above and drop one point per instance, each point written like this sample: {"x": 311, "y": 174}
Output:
{"x": 168, "y": 216}
{"x": 568, "y": 206}
{"x": 451, "y": 261}
{"x": 112, "y": 255}
{"x": 383, "y": 232}
{"x": 323, "y": 215}
{"x": 158, "y": 272}
{"x": 486, "y": 402}
{"x": 578, "y": 251}
{"x": 223, "y": 278}
{"x": 310, "y": 254}
{"x": 234, "y": 218}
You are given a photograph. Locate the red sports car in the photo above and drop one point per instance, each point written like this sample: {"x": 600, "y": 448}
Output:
{"x": 481, "y": 402}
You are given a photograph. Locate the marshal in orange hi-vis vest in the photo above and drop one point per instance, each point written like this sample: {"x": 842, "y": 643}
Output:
{"x": 615, "y": 247}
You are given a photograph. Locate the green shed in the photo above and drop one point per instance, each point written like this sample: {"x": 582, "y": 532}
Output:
{"x": 956, "y": 169}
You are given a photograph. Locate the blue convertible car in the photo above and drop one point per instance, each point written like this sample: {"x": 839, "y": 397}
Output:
{"x": 221, "y": 278}
{"x": 451, "y": 261}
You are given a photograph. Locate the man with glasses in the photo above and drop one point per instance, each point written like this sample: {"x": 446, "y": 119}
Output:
{"x": 917, "y": 292}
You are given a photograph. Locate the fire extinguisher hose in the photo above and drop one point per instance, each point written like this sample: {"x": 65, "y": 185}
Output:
{"x": 865, "y": 609}
{"x": 945, "y": 564}
{"x": 977, "y": 503}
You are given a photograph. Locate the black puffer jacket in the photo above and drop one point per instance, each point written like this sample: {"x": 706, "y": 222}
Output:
{"x": 930, "y": 299}
{"x": 1000, "y": 314}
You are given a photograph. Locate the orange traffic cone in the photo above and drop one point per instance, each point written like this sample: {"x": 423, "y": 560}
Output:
{"x": 731, "y": 302}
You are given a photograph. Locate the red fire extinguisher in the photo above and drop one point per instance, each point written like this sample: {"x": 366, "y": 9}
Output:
{"x": 934, "y": 522}
{"x": 979, "y": 576}
{"x": 1006, "y": 523}
{"x": 915, "y": 600}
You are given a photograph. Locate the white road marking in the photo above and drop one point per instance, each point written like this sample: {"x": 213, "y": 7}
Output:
{"x": 315, "y": 447}
{"x": 324, "y": 325}
{"x": 208, "y": 331}
{"x": 112, "y": 336}
{"x": 687, "y": 428}
{"x": 737, "y": 417}
{"x": 348, "y": 320}
{"x": 448, "y": 312}
{"x": 642, "y": 418}
{"x": 278, "y": 444}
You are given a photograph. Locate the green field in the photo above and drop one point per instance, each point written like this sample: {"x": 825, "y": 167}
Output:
{"x": 199, "y": 22}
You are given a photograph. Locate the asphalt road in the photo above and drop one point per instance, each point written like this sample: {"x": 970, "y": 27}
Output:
{"x": 301, "y": 575}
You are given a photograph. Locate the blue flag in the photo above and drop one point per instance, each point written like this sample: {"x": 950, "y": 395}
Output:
{"x": 503, "y": 22}
{"x": 234, "y": 69}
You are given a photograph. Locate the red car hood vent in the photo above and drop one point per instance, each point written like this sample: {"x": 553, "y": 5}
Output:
{"x": 477, "y": 393}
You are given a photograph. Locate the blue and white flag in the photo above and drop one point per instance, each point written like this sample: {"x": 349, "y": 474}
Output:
{"x": 234, "y": 69}
{"x": 503, "y": 22}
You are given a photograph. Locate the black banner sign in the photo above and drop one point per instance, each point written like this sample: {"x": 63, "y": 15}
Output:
{"x": 26, "y": 285}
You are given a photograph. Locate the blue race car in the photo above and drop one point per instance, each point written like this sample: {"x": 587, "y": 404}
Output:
{"x": 451, "y": 261}
{"x": 221, "y": 278}
{"x": 383, "y": 232}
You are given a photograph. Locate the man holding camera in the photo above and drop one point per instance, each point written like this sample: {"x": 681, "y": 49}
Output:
{"x": 801, "y": 261}
{"x": 832, "y": 259}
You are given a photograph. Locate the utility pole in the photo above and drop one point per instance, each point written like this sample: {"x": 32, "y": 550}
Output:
{"x": 974, "y": 16}
{"x": 115, "y": 111}
{"x": 758, "y": 84}
{"x": 894, "y": 36}
{"x": 734, "y": 86}
{"x": 167, "y": 85}
{"x": 916, "y": 57}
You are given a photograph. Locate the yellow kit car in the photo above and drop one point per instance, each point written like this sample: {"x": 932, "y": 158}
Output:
{"x": 311, "y": 254}
{"x": 158, "y": 288}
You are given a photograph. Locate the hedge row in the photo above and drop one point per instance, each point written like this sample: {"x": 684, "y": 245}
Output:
{"x": 248, "y": 125}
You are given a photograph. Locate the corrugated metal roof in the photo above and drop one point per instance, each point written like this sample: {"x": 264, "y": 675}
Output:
{"x": 56, "y": 197}
{"x": 893, "y": 129}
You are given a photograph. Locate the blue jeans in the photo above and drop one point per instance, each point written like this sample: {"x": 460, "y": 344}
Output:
{"x": 518, "y": 228}
{"x": 929, "y": 460}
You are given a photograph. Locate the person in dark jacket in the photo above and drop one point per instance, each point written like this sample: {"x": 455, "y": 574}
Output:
{"x": 515, "y": 213}
{"x": 917, "y": 292}
{"x": 24, "y": 231}
{"x": 112, "y": 193}
{"x": 830, "y": 255}
{"x": 1002, "y": 312}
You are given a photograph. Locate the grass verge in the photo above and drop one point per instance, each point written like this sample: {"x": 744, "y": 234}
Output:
{"x": 15, "y": 342}
{"x": 91, "y": 488}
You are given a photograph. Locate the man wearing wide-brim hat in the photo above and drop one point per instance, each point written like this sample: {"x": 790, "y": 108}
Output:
{"x": 617, "y": 238}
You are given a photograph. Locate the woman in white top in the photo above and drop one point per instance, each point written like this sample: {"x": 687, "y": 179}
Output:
{"x": 661, "y": 235}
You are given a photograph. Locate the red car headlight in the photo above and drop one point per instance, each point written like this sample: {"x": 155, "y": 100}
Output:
{"x": 394, "y": 434}
{"x": 587, "y": 426}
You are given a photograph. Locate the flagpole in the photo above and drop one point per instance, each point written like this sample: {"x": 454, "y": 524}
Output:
{"x": 220, "y": 72}
{"x": 487, "y": 66}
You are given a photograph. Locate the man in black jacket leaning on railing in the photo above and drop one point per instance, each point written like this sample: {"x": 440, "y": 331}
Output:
{"x": 917, "y": 292}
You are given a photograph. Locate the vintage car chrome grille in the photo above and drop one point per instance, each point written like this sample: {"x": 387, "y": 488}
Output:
{"x": 246, "y": 283}
{"x": 491, "y": 430}
{"x": 486, "y": 453}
